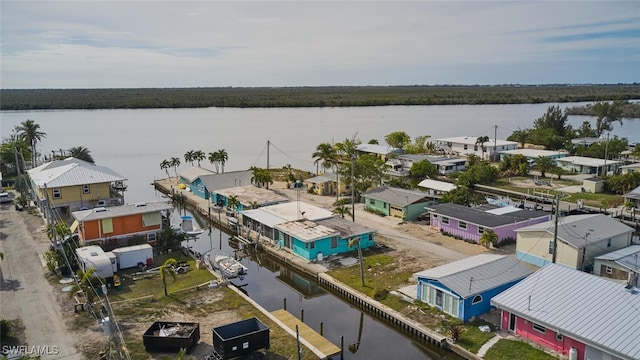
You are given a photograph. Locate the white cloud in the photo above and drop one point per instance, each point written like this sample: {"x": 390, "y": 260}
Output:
{"x": 215, "y": 43}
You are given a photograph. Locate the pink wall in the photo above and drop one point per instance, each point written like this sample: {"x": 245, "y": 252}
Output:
{"x": 548, "y": 339}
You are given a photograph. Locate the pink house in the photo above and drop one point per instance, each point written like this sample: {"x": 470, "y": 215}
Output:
{"x": 573, "y": 313}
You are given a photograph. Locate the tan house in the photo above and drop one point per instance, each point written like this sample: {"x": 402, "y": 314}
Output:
{"x": 581, "y": 238}
{"x": 72, "y": 184}
{"x": 622, "y": 265}
{"x": 325, "y": 184}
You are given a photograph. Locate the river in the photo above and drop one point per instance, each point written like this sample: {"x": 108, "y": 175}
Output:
{"x": 134, "y": 142}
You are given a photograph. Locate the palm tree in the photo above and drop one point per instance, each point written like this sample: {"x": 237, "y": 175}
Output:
{"x": 214, "y": 158}
{"x": 342, "y": 210}
{"x": 480, "y": 141}
{"x": 175, "y": 162}
{"x": 489, "y": 237}
{"x": 261, "y": 177}
{"x": 189, "y": 156}
{"x": 356, "y": 242}
{"x": 30, "y": 132}
{"x": 167, "y": 269}
{"x": 81, "y": 153}
{"x": 326, "y": 154}
{"x": 85, "y": 283}
{"x": 233, "y": 203}
{"x": 165, "y": 165}
{"x": 222, "y": 158}
{"x": 543, "y": 164}
{"x": 198, "y": 156}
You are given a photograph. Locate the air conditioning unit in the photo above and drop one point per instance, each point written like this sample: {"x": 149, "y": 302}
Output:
{"x": 101, "y": 203}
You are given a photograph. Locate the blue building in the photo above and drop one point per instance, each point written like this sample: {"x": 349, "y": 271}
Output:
{"x": 189, "y": 177}
{"x": 464, "y": 288}
{"x": 205, "y": 185}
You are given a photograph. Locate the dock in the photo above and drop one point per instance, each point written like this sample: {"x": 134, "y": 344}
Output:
{"x": 326, "y": 347}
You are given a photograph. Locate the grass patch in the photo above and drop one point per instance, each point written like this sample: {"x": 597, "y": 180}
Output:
{"x": 597, "y": 200}
{"x": 472, "y": 338}
{"x": 509, "y": 349}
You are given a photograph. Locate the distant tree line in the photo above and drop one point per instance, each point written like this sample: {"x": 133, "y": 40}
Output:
{"x": 42, "y": 99}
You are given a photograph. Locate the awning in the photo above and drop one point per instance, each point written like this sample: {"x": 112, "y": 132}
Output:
{"x": 74, "y": 226}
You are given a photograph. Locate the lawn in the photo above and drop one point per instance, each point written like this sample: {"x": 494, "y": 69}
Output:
{"x": 512, "y": 349}
{"x": 472, "y": 338}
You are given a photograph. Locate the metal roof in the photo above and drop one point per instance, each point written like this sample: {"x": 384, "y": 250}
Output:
{"x": 628, "y": 257}
{"x": 226, "y": 180}
{"x": 477, "y": 274}
{"x": 601, "y": 313}
{"x": 533, "y": 153}
{"x": 119, "y": 211}
{"x": 324, "y": 178}
{"x": 347, "y": 228}
{"x": 481, "y": 217}
{"x": 297, "y": 210}
{"x": 395, "y": 196}
{"x": 249, "y": 194}
{"x": 633, "y": 194}
{"x": 72, "y": 173}
{"x": 377, "y": 149}
{"x": 587, "y": 161}
{"x": 437, "y": 185}
{"x": 579, "y": 230}
{"x": 263, "y": 217}
{"x": 194, "y": 172}
{"x": 471, "y": 140}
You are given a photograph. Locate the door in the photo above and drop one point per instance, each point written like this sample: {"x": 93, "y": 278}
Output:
{"x": 512, "y": 323}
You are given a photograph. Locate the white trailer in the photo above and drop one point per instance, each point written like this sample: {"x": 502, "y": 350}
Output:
{"x": 94, "y": 257}
{"x": 132, "y": 256}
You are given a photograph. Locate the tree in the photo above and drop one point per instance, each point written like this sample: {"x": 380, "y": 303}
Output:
{"x": 87, "y": 281}
{"x": 606, "y": 114}
{"x": 233, "y": 203}
{"x": 422, "y": 169}
{"x": 480, "y": 173}
{"x": 222, "y": 158}
{"x": 167, "y": 269}
{"x": 419, "y": 145}
{"x": 189, "y": 156}
{"x": 556, "y": 120}
{"x": 326, "y": 155}
{"x": 198, "y": 156}
{"x": 397, "y": 139}
{"x": 214, "y": 158}
{"x": 342, "y": 210}
{"x": 81, "y": 153}
{"x": 585, "y": 130}
{"x": 261, "y": 177}
{"x": 165, "y": 165}
{"x": 558, "y": 171}
{"x": 543, "y": 164}
{"x": 462, "y": 196}
{"x": 356, "y": 242}
{"x": 480, "y": 141}
{"x": 175, "y": 162}
{"x": 30, "y": 132}
{"x": 489, "y": 237}
{"x": 520, "y": 136}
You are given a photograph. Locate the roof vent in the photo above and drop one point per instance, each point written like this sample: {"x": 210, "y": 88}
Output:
{"x": 141, "y": 204}
{"x": 100, "y": 209}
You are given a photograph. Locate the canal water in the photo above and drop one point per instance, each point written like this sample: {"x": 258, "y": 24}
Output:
{"x": 269, "y": 283}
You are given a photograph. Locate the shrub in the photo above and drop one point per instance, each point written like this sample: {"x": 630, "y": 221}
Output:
{"x": 380, "y": 294}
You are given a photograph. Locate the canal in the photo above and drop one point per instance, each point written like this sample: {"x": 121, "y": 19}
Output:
{"x": 269, "y": 283}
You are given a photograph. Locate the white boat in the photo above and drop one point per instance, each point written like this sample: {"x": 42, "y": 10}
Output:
{"x": 228, "y": 266}
{"x": 187, "y": 227}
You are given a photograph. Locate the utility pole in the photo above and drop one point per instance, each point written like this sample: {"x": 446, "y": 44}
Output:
{"x": 555, "y": 229}
{"x": 353, "y": 186}
{"x": 268, "y": 144}
{"x": 495, "y": 141}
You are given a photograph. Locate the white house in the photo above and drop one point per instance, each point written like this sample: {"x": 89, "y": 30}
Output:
{"x": 436, "y": 188}
{"x": 533, "y": 154}
{"x": 622, "y": 265}
{"x": 587, "y": 165}
{"x": 466, "y": 145}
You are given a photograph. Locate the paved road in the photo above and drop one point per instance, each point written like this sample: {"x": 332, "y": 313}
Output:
{"x": 24, "y": 292}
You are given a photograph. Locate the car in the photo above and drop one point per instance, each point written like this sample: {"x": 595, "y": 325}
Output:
{"x": 5, "y": 197}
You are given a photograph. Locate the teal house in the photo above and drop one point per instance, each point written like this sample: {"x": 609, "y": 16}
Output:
{"x": 205, "y": 184}
{"x": 315, "y": 240}
{"x": 401, "y": 203}
{"x": 190, "y": 178}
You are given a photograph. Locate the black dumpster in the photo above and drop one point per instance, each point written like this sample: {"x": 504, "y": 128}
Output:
{"x": 240, "y": 338}
{"x": 167, "y": 336}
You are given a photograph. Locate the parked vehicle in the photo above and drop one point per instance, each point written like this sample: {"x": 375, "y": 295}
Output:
{"x": 239, "y": 338}
{"x": 134, "y": 256}
{"x": 169, "y": 336}
{"x": 4, "y": 197}
{"x": 94, "y": 257}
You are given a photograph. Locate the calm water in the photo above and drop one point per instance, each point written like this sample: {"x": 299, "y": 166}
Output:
{"x": 134, "y": 142}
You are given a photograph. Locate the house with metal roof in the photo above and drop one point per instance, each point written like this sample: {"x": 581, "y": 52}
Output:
{"x": 381, "y": 151}
{"x": 634, "y": 197}
{"x": 400, "y": 165}
{"x": 248, "y": 197}
{"x": 435, "y": 189}
{"x": 401, "y": 203}
{"x": 306, "y": 230}
{"x": 630, "y": 168}
{"x": 580, "y": 315}
{"x": 580, "y": 238}
{"x": 587, "y": 165}
{"x": 533, "y": 154}
{"x": 117, "y": 226}
{"x": 464, "y": 288}
{"x": 189, "y": 175}
{"x": 325, "y": 184}
{"x": 72, "y": 184}
{"x": 622, "y": 265}
{"x": 467, "y": 145}
{"x": 469, "y": 223}
{"x": 205, "y": 185}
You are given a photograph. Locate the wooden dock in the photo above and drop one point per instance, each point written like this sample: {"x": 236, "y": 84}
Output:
{"x": 325, "y": 346}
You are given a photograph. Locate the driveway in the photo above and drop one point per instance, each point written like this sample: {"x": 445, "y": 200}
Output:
{"x": 24, "y": 292}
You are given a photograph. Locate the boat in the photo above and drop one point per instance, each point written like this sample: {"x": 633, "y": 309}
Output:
{"x": 187, "y": 227}
{"x": 504, "y": 201}
{"x": 228, "y": 266}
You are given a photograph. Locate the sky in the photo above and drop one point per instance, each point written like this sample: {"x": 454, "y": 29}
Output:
{"x": 133, "y": 44}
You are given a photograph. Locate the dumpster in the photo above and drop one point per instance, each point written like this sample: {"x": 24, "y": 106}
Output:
{"x": 240, "y": 338}
{"x": 167, "y": 336}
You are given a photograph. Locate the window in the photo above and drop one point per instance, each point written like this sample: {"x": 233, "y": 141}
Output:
{"x": 372, "y": 202}
{"x": 475, "y": 148}
{"x": 608, "y": 269}
{"x": 435, "y": 216}
{"x": 539, "y": 328}
{"x": 558, "y": 336}
{"x": 86, "y": 189}
{"x": 445, "y": 220}
{"x": 312, "y": 245}
{"x": 462, "y": 225}
{"x": 371, "y": 237}
{"x": 465, "y": 146}
{"x": 476, "y": 299}
{"x": 480, "y": 229}
{"x": 57, "y": 194}
{"x": 334, "y": 242}
{"x": 439, "y": 297}
{"x": 151, "y": 237}
{"x": 608, "y": 242}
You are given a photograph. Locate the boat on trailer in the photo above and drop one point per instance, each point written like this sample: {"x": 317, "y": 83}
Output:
{"x": 228, "y": 265}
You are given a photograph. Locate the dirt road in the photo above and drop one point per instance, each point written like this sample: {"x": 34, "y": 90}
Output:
{"x": 24, "y": 292}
